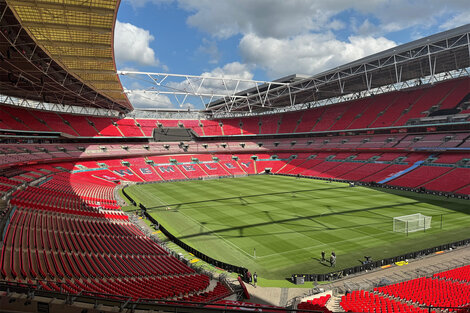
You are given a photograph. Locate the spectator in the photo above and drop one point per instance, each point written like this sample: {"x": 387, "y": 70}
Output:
{"x": 332, "y": 260}
{"x": 255, "y": 279}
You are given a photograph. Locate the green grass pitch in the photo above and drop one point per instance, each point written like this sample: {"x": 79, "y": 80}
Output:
{"x": 289, "y": 221}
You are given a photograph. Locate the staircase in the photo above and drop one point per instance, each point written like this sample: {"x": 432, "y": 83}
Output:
{"x": 401, "y": 173}
{"x": 333, "y": 304}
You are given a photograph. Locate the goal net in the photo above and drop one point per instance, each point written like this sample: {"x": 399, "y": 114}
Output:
{"x": 411, "y": 223}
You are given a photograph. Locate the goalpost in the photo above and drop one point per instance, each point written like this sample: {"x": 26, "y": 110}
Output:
{"x": 411, "y": 223}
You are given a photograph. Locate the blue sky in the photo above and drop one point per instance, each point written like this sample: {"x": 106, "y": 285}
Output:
{"x": 264, "y": 39}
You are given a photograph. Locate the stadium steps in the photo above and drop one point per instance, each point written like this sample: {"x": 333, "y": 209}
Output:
{"x": 360, "y": 114}
{"x": 226, "y": 170}
{"x": 299, "y": 165}
{"x": 155, "y": 171}
{"x": 279, "y": 123}
{"x": 299, "y": 120}
{"x": 117, "y": 127}
{"x": 140, "y": 128}
{"x": 462, "y": 188}
{"x": 202, "y": 169}
{"x": 222, "y": 128}
{"x": 448, "y": 95}
{"x": 317, "y": 121}
{"x": 241, "y": 167}
{"x": 353, "y": 169}
{"x": 92, "y": 125}
{"x": 397, "y": 143}
{"x": 384, "y": 110}
{"x": 282, "y": 167}
{"x": 333, "y": 304}
{"x": 184, "y": 174}
{"x": 136, "y": 174}
{"x": 463, "y": 141}
{"x": 69, "y": 125}
{"x": 436, "y": 178}
{"x": 202, "y": 128}
{"x": 404, "y": 113}
{"x": 401, "y": 173}
{"x": 326, "y": 170}
{"x": 13, "y": 121}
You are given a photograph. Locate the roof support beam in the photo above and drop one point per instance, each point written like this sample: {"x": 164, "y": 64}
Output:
{"x": 91, "y": 29}
{"x": 85, "y": 58}
{"x": 73, "y": 44}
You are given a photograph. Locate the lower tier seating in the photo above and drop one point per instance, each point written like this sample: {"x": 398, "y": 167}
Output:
{"x": 460, "y": 274}
{"x": 317, "y": 304}
{"x": 363, "y": 301}
{"x": 430, "y": 292}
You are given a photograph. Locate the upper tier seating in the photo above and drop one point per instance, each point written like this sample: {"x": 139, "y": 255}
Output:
{"x": 250, "y": 126}
{"x": 231, "y": 127}
{"x": 385, "y": 110}
{"x": 129, "y": 128}
{"x": 147, "y": 126}
{"x": 55, "y": 122}
{"x": 27, "y": 117}
{"x": 105, "y": 126}
{"x": 81, "y": 125}
{"x": 211, "y": 128}
{"x": 269, "y": 124}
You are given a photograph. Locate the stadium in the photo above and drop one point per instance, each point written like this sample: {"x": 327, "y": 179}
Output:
{"x": 346, "y": 191}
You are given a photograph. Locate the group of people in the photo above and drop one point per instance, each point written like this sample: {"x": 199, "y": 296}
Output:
{"x": 332, "y": 258}
{"x": 251, "y": 278}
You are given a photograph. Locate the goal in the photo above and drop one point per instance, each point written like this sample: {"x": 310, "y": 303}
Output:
{"x": 411, "y": 223}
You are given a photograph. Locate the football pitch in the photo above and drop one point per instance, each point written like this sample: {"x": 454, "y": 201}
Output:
{"x": 278, "y": 225}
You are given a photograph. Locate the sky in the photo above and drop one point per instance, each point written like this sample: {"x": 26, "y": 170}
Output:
{"x": 261, "y": 40}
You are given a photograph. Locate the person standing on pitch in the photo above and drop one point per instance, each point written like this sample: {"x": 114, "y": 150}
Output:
{"x": 255, "y": 279}
{"x": 323, "y": 256}
{"x": 333, "y": 260}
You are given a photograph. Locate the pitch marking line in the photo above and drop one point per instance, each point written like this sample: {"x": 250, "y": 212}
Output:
{"x": 310, "y": 247}
{"x": 210, "y": 231}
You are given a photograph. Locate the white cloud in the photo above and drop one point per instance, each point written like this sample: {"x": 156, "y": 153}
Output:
{"x": 282, "y": 19}
{"x": 266, "y": 18}
{"x": 456, "y": 20}
{"x": 132, "y": 44}
{"x": 307, "y": 54}
{"x": 142, "y": 3}
{"x": 210, "y": 48}
{"x": 143, "y": 99}
{"x": 211, "y": 86}
{"x": 231, "y": 70}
